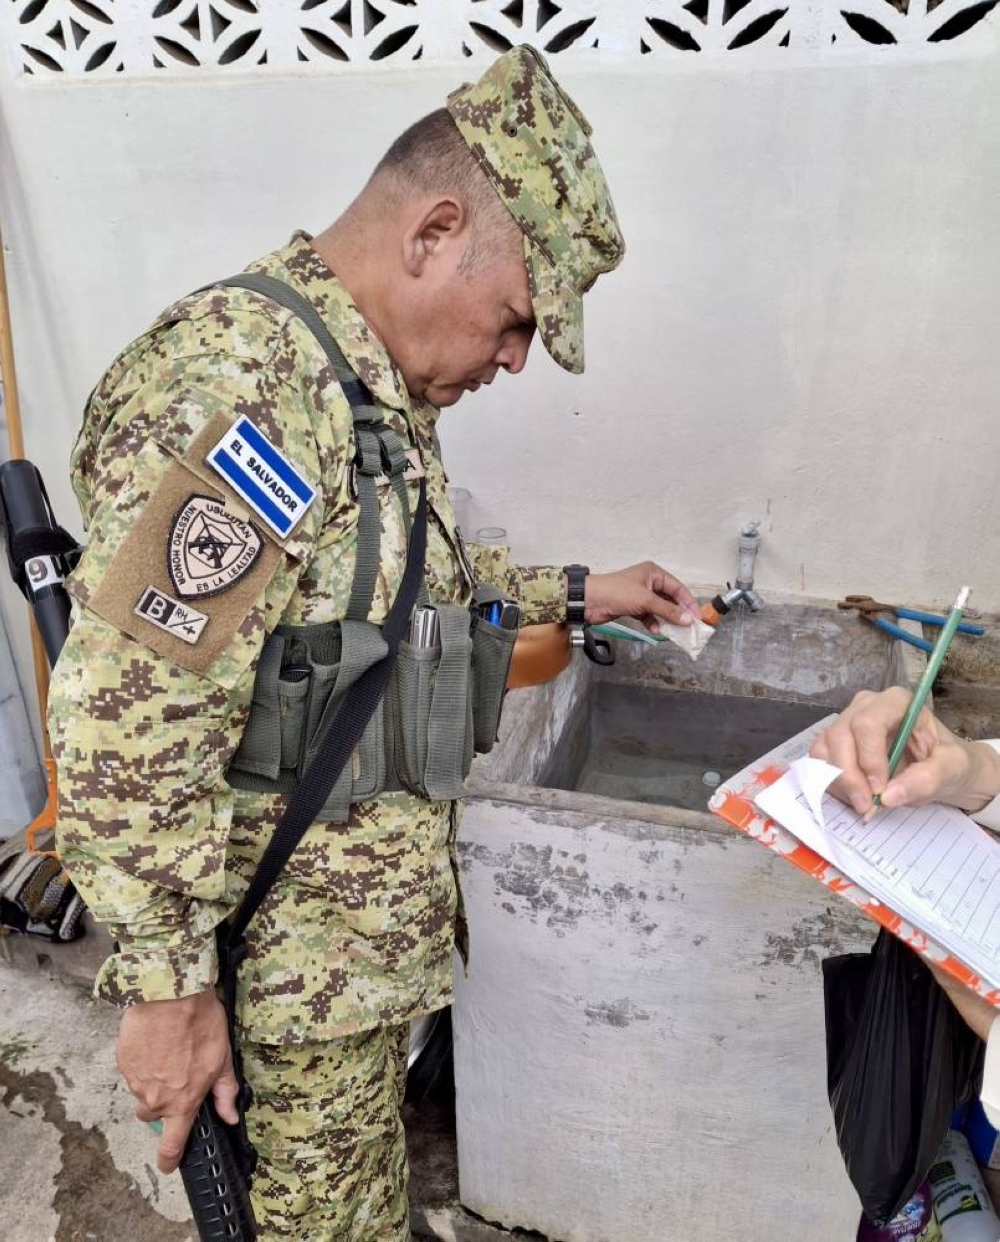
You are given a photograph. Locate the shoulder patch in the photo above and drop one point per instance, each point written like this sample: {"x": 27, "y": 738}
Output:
{"x": 262, "y": 476}
{"x": 183, "y": 548}
{"x": 170, "y": 615}
{"x": 209, "y": 550}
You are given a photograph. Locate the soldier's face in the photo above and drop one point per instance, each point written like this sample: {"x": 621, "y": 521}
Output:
{"x": 469, "y": 317}
{"x": 484, "y": 325}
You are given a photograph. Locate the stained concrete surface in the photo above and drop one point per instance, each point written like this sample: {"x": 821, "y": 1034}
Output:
{"x": 967, "y": 692}
{"x": 76, "y": 1166}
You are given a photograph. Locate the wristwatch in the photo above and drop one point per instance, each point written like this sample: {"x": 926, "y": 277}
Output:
{"x": 576, "y": 579}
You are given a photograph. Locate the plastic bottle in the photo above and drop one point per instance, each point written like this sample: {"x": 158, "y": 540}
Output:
{"x": 913, "y": 1223}
{"x": 961, "y": 1203}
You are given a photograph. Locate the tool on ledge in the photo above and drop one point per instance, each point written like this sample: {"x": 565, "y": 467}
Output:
{"x": 870, "y": 609}
{"x": 951, "y": 624}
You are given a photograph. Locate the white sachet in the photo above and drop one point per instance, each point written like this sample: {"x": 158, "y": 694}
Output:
{"x": 691, "y": 638}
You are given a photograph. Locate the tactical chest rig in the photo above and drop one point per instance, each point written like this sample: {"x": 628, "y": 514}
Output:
{"x": 442, "y": 703}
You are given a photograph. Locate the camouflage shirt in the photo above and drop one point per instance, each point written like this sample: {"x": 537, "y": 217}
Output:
{"x": 359, "y": 929}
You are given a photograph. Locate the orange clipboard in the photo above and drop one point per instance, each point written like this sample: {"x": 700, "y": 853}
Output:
{"x": 734, "y": 801}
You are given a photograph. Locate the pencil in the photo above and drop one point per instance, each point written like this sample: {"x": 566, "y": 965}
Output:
{"x": 937, "y": 658}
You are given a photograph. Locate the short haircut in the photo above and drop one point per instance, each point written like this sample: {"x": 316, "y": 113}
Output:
{"x": 432, "y": 157}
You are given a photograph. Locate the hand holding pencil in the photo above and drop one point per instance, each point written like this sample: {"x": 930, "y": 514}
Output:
{"x": 894, "y": 752}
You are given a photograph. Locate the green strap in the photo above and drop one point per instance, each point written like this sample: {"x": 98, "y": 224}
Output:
{"x": 361, "y": 646}
{"x": 380, "y": 453}
{"x": 394, "y": 457}
{"x": 451, "y": 702}
{"x": 367, "y": 468}
{"x": 259, "y": 750}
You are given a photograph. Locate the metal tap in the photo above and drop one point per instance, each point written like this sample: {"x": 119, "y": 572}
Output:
{"x": 743, "y": 592}
{"x": 749, "y": 547}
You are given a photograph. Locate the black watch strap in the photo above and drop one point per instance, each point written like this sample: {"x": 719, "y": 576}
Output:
{"x": 576, "y": 579}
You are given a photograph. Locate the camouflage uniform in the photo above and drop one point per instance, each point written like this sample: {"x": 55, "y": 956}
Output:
{"x": 355, "y": 938}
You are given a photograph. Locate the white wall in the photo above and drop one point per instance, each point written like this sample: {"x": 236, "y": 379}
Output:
{"x": 803, "y": 329}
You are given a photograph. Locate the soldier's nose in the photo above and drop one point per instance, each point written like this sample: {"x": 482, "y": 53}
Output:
{"x": 513, "y": 354}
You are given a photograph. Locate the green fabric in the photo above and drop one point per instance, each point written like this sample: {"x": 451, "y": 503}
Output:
{"x": 449, "y": 725}
{"x": 411, "y": 694}
{"x": 427, "y": 746}
{"x": 278, "y": 291}
{"x": 362, "y": 645}
{"x": 260, "y": 748}
{"x": 492, "y": 650}
{"x": 369, "y": 434}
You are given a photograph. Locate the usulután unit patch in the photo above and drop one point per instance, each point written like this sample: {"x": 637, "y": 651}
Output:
{"x": 208, "y": 550}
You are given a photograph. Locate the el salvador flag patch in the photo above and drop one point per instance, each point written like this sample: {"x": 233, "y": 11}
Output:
{"x": 262, "y": 476}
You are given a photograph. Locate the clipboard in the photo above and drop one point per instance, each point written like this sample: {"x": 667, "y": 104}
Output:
{"x": 734, "y": 802}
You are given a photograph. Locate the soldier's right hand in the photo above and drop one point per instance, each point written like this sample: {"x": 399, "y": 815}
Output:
{"x": 171, "y": 1054}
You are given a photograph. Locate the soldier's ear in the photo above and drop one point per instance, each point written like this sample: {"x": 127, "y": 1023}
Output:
{"x": 437, "y": 230}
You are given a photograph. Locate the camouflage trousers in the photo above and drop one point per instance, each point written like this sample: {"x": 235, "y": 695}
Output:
{"x": 327, "y": 1127}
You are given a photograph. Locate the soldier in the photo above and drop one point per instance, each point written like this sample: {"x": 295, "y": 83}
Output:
{"x": 483, "y": 221}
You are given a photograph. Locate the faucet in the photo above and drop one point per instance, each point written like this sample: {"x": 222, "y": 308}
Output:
{"x": 743, "y": 592}
{"x": 749, "y": 547}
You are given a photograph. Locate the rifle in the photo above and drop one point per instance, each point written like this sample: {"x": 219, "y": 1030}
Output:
{"x": 218, "y": 1160}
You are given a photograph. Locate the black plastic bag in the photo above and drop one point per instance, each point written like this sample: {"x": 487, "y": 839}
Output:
{"x": 900, "y": 1059}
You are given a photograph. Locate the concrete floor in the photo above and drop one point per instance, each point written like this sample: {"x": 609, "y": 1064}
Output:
{"x": 76, "y": 1166}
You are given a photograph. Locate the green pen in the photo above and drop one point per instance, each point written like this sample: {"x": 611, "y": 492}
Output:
{"x": 937, "y": 658}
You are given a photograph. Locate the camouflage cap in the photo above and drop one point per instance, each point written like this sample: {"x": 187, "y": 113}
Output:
{"x": 533, "y": 142}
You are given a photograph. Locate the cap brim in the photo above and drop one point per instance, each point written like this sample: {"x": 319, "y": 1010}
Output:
{"x": 558, "y": 311}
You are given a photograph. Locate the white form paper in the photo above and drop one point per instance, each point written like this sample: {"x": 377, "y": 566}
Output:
{"x": 931, "y": 864}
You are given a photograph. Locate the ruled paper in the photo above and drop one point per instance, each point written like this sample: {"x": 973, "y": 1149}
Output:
{"x": 931, "y": 864}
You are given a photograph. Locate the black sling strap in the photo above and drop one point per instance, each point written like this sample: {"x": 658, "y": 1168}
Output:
{"x": 339, "y": 743}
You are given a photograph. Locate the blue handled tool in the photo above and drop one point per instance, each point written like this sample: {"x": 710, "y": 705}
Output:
{"x": 897, "y": 631}
{"x": 871, "y": 609}
{"x": 932, "y": 618}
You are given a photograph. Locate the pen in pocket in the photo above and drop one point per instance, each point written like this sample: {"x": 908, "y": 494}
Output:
{"x": 504, "y": 613}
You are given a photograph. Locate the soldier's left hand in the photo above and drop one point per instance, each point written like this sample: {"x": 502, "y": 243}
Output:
{"x": 646, "y": 591}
